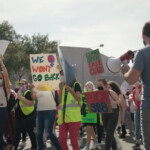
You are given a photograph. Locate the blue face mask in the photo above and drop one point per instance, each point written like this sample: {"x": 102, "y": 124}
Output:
{"x": 1, "y": 81}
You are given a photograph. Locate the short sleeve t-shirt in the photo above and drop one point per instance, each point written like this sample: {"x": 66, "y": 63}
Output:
{"x": 142, "y": 64}
{"x": 45, "y": 100}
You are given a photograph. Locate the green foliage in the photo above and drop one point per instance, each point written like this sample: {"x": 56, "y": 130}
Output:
{"x": 16, "y": 57}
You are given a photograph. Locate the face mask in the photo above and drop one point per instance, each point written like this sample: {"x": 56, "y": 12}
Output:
{"x": 100, "y": 88}
{"x": 1, "y": 81}
{"x": 89, "y": 89}
{"x": 22, "y": 88}
{"x": 62, "y": 78}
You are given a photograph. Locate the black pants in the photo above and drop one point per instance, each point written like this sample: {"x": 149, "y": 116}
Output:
{"x": 110, "y": 121}
{"x": 100, "y": 129}
{"x": 23, "y": 135}
{"x": 27, "y": 124}
{"x": 3, "y": 119}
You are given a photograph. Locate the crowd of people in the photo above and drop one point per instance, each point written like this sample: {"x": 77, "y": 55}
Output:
{"x": 43, "y": 110}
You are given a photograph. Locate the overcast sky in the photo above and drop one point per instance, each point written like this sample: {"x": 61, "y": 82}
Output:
{"x": 81, "y": 23}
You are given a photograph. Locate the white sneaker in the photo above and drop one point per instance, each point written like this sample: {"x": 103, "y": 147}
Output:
{"x": 95, "y": 145}
{"x": 87, "y": 148}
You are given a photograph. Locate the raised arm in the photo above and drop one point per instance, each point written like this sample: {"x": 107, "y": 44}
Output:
{"x": 61, "y": 85}
{"x": 76, "y": 95}
{"x": 6, "y": 78}
{"x": 97, "y": 77}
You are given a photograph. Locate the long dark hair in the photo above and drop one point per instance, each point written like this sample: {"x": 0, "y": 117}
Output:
{"x": 115, "y": 87}
{"x": 104, "y": 82}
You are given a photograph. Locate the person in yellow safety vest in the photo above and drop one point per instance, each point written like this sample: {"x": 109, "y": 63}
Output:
{"x": 25, "y": 115}
{"x": 69, "y": 113}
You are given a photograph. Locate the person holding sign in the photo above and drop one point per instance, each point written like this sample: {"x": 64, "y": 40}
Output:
{"x": 46, "y": 112}
{"x": 110, "y": 120}
{"x": 90, "y": 119}
{"x": 4, "y": 87}
{"x": 69, "y": 113}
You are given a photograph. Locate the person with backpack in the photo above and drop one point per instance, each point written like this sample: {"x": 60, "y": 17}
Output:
{"x": 25, "y": 115}
{"x": 69, "y": 113}
{"x": 4, "y": 86}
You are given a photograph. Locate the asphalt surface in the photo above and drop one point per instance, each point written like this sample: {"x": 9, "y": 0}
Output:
{"x": 126, "y": 143}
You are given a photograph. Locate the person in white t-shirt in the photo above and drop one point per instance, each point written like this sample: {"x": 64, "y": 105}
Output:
{"x": 46, "y": 112}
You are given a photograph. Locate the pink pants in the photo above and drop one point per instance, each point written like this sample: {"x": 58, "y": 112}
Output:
{"x": 73, "y": 129}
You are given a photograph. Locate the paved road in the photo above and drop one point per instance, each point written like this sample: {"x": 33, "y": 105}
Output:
{"x": 126, "y": 143}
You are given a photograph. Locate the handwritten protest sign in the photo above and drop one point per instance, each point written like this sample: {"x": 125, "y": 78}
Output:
{"x": 45, "y": 75}
{"x": 98, "y": 102}
{"x": 86, "y": 116}
{"x": 3, "y": 46}
{"x": 94, "y": 62}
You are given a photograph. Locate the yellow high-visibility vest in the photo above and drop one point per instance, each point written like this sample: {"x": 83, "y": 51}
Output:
{"x": 26, "y": 109}
{"x": 72, "y": 110}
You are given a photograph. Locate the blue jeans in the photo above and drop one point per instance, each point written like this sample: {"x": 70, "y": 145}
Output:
{"x": 45, "y": 120}
{"x": 3, "y": 119}
{"x": 145, "y": 124}
{"x": 137, "y": 124}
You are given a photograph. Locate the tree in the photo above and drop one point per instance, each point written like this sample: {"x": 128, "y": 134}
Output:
{"x": 16, "y": 57}
{"x": 7, "y": 32}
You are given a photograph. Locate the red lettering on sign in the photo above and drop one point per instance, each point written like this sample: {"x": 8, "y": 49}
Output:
{"x": 41, "y": 68}
{"x": 97, "y": 96}
{"x": 98, "y": 101}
